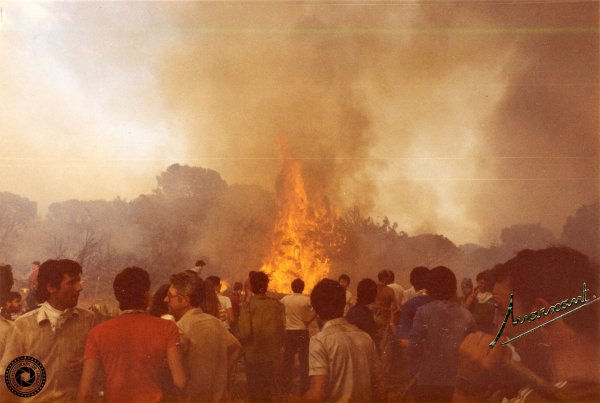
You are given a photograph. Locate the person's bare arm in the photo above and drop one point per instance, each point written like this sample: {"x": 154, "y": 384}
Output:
{"x": 175, "y": 362}
{"x": 318, "y": 388}
{"x": 86, "y": 384}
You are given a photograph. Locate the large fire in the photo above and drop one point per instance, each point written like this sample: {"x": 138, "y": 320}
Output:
{"x": 303, "y": 228}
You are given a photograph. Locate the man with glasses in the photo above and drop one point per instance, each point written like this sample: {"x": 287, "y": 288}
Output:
{"x": 210, "y": 350}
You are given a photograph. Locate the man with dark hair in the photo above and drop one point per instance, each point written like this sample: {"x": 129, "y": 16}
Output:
{"x": 419, "y": 277}
{"x": 225, "y": 307}
{"x": 344, "y": 281}
{"x": 55, "y": 332}
{"x": 438, "y": 329}
{"x": 132, "y": 347}
{"x": 298, "y": 314}
{"x": 262, "y": 329}
{"x": 559, "y": 360}
{"x": 361, "y": 314}
{"x": 13, "y": 305}
{"x": 210, "y": 350}
{"x": 6, "y": 283}
{"x": 343, "y": 359}
{"x": 198, "y": 267}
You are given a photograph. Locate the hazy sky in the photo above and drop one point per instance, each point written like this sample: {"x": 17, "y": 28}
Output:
{"x": 458, "y": 118}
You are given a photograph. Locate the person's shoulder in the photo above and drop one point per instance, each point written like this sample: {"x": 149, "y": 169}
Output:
{"x": 85, "y": 314}
{"x": 27, "y": 319}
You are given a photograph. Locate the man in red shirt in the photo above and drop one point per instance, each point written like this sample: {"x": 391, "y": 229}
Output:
{"x": 132, "y": 347}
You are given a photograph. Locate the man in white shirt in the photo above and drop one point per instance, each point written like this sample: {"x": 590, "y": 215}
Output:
{"x": 344, "y": 281}
{"x": 343, "y": 361}
{"x": 298, "y": 314}
{"x": 397, "y": 288}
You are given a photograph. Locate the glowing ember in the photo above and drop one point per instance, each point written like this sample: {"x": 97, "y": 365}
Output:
{"x": 302, "y": 228}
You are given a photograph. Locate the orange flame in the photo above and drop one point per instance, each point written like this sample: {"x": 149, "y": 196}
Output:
{"x": 298, "y": 247}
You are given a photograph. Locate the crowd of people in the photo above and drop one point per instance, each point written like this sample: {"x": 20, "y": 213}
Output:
{"x": 187, "y": 340}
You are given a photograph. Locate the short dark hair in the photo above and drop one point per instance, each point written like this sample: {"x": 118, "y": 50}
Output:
{"x": 214, "y": 280}
{"x": 328, "y": 299}
{"x": 131, "y": 288}
{"x": 366, "y": 291}
{"x": 259, "y": 282}
{"x": 52, "y": 273}
{"x": 442, "y": 283}
{"x": 6, "y": 282}
{"x": 237, "y": 286}
{"x": 383, "y": 276}
{"x": 344, "y": 277}
{"x": 189, "y": 285}
{"x": 200, "y": 263}
{"x": 36, "y": 262}
{"x": 554, "y": 274}
{"x": 419, "y": 277}
{"x": 298, "y": 285}
{"x": 392, "y": 277}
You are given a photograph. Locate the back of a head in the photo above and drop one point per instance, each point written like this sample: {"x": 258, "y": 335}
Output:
{"x": 419, "y": 277}
{"x": 190, "y": 285}
{"x": 328, "y": 299}
{"x": 131, "y": 287}
{"x": 366, "y": 291}
{"x": 384, "y": 277}
{"x": 237, "y": 286}
{"x": 259, "y": 282}
{"x": 200, "y": 263}
{"x": 158, "y": 306}
{"x": 344, "y": 277}
{"x": 298, "y": 286}
{"x": 554, "y": 274}
{"x": 216, "y": 281}
{"x": 51, "y": 273}
{"x": 442, "y": 283}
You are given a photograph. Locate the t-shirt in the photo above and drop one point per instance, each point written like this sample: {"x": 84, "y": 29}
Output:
{"x": 131, "y": 349}
{"x": 297, "y": 311}
{"x": 347, "y": 355}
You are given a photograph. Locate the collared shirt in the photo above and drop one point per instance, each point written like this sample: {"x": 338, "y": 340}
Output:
{"x": 297, "y": 311}
{"x": 205, "y": 344}
{"x": 347, "y": 355}
{"x": 439, "y": 328}
{"x": 32, "y": 335}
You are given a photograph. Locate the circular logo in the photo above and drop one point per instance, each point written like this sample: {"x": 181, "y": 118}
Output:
{"x": 25, "y": 376}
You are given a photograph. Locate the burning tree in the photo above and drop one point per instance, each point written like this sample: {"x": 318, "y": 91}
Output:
{"x": 304, "y": 233}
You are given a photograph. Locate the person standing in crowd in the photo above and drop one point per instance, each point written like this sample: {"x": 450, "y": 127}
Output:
{"x": 466, "y": 286}
{"x": 344, "y": 281}
{"x": 32, "y": 281}
{"x": 13, "y": 305}
{"x": 262, "y": 329}
{"x": 54, "y": 333}
{"x": 158, "y": 306}
{"x": 343, "y": 361}
{"x": 298, "y": 315}
{"x": 131, "y": 348}
{"x": 559, "y": 361}
{"x": 361, "y": 314}
{"x": 438, "y": 329}
{"x": 419, "y": 277}
{"x": 235, "y": 296}
{"x": 225, "y": 306}
{"x": 412, "y": 292}
{"x": 6, "y": 283}
{"x": 198, "y": 267}
{"x": 211, "y": 351}
{"x": 397, "y": 288}
{"x": 481, "y": 303}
